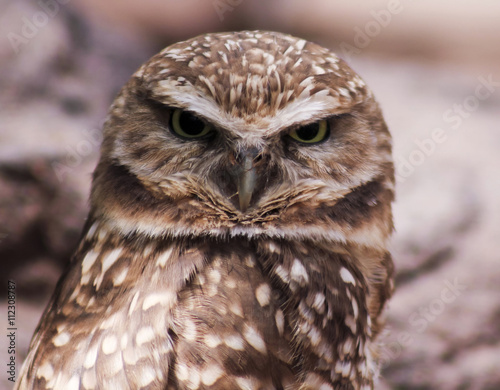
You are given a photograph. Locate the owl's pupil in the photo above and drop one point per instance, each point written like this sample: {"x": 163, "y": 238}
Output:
{"x": 190, "y": 124}
{"x": 309, "y": 132}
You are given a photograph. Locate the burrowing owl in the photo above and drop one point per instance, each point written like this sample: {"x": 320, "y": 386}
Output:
{"x": 238, "y": 226}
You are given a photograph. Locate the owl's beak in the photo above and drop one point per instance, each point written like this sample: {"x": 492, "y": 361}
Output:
{"x": 246, "y": 175}
{"x": 246, "y": 183}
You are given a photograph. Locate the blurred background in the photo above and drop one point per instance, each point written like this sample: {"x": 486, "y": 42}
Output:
{"x": 434, "y": 65}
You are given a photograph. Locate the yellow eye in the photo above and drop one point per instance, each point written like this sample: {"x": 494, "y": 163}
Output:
{"x": 186, "y": 125}
{"x": 312, "y": 133}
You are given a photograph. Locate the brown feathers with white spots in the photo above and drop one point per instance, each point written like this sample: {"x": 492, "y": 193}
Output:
{"x": 238, "y": 230}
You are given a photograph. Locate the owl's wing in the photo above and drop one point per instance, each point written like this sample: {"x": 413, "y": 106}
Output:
{"x": 109, "y": 323}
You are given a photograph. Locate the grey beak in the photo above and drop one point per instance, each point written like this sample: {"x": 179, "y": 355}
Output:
{"x": 246, "y": 182}
{"x": 246, "y": 175}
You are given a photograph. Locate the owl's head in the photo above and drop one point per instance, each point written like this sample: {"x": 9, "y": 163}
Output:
{"x": 248, "y": 133}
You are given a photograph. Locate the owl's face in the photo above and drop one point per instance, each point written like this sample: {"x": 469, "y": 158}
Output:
{"x": 264, "y": 135}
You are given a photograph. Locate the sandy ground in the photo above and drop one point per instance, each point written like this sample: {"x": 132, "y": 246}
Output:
{"x": 443, "y": 112}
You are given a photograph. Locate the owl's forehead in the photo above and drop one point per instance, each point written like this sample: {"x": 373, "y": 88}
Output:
{"x": 262, "y": 78}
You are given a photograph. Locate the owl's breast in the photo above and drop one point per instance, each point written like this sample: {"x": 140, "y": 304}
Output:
{"x": 229, "y": 321}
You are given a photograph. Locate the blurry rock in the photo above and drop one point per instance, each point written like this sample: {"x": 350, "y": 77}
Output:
{"x": 41, "y": 219}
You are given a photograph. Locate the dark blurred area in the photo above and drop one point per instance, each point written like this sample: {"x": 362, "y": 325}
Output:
{"x": 433, "y": 65}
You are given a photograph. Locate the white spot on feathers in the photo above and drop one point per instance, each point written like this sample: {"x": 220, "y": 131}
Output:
{"x": 235, "y": 342}
{"x": 133, "y": 303}
{"x": 45, "y": 371}
{"x": 92, "y": 230}
{"x": 347, "y": 276}
{"x": 211, "y": 374}
{"x": 236, "y": 308}
{"x": 190, "y": 331}
{"x": 314, "y": 335}
{"x": 89, "y": 380}
{"x": 214, "y": 276}
{"x": 145, "y": 376}
{"x": 299, "y": 273}
{"x": 314, "y": 381}
{"x": 343, "y": 368}
{"x": 319, "y": 301}
{"x": 165, "y": 298}
{"x": 351, "y": 323}
{"x": 212, "y": 340}
{"x": 280, "y": 321}
{"x": 163, "y": 258}
{"x": 109, "y": 344}
{"x": 61, "y": 339}
{"x": 91, "y": 356}
{"x": 120, "y": 278}
{"x": 89, "y": 261}
{"x": 355, "y": 308}
{"x": 254, "y": 338}
{"x": 73, "y": 383}
{"x": 272, "y": 247}
{"x": 282, "y": 273}
{"x": 110, "y": 259}
{"x": 144, "y": 335}
{"x": 113, "y": 365}
{"x": 263, "y": 294}
{"x": 248, "y": 383}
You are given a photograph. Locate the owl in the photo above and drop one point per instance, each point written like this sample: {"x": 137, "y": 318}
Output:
{"x": 238, "y": 230}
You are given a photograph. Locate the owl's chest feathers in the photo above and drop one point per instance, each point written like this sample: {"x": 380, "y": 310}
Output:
{"x": 281, "y": 307}
{"x": 275, "y": 309}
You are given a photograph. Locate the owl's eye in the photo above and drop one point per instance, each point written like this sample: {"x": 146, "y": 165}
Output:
{"x": 313, "y": 133}
{"x": 186, "y": 125}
